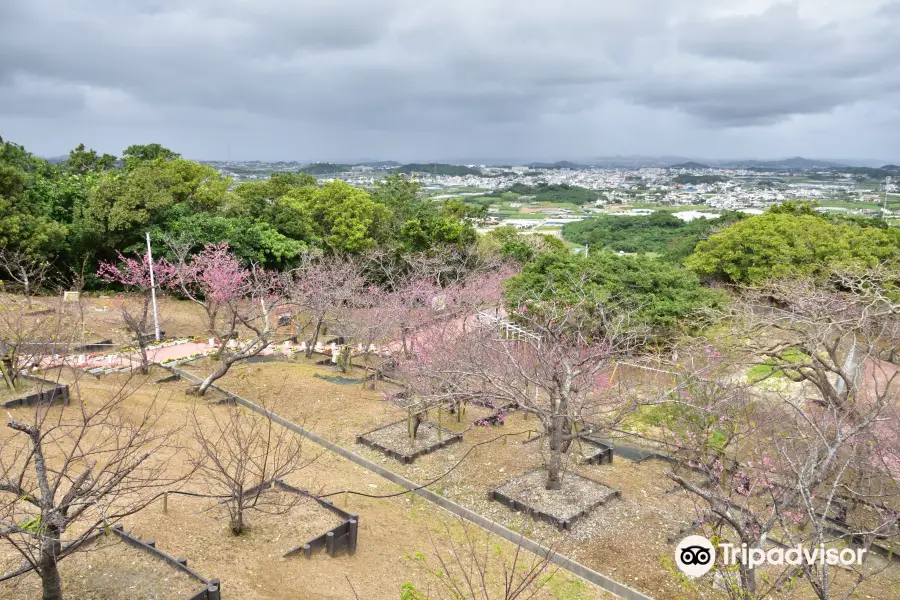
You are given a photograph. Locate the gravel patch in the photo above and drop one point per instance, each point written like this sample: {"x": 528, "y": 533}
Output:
{"x": 396, "y": 437}
{"x": 578, "y": 494}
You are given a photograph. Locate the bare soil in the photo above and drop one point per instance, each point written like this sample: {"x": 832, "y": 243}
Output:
{"x": 110, "y": 569}
{"x": 627, "y": 538}
{"x": 251, "y": 567}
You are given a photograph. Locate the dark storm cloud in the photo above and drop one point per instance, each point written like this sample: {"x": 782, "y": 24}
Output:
{"x": 458, "y": 72}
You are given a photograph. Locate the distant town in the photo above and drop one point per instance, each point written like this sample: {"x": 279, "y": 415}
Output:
{"x": 543, "y": 197}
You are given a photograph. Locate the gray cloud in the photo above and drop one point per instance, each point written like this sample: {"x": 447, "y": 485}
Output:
{"x": 428, "y": 78}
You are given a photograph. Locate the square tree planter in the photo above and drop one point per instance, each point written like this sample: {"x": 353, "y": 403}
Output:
{"x": 49, "y": 392}
{"x": 603, "y": 454}
{"x": 596, "y": 452}
{"x": 560, "y": 508}
{"x": 393, "y": 440}
{"x": 335, "y": 540}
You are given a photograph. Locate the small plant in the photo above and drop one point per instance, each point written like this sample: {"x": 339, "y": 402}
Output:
{"x": 409, "y": 592}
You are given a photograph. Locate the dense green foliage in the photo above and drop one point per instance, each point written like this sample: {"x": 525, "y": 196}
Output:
{"x": 792, "y": 242}
{"x": 654, "y": 292}
{"x": 437, "y": 169}
{"x": 660, "y": 233}
{"x": 522, "y": 248}
{"x": 555, "y": 193}
{"x": 91, "y": 207}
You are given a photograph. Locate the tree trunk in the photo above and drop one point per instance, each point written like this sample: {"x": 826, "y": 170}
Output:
{"x": 217, "y": 374}
{"x": 237, "y": 522}
{"x": 559, "y": 429}
{"x": 748, "y": 582}
{"x": 51, "y": 584}
{"x": 145, "y": 363}
{"x": 315, "y": 337}
{"x": 414, "y": 422}
{"x": 8, "y": 375}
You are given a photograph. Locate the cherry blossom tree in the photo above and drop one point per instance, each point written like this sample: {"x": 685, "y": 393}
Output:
{"x": 321, "y": 288}
{"x": 805, "y": 453}
{"x": 551, "y": 363}
{"x": 135, "y": 273}
{"x": 236, "y": 299}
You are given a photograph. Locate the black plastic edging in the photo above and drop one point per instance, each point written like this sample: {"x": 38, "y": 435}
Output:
{"x": 55, "y": 393}
{"x": 610, "y": 585}
{"x": 560, "y": 524}
{"x": 344, "y": 536}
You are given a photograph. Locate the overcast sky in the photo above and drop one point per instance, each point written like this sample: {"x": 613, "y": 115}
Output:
{"x": 445, "y": 79}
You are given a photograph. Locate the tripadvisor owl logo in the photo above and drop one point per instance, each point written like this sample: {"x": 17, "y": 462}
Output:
{"x": 695, "y": 556}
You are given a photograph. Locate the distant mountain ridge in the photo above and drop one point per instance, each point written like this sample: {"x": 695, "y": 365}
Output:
{"x": 690, "y": 165}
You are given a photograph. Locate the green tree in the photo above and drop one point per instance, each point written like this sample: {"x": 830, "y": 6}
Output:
{"x": 83, "y": 161}
{"x": 337, "y": 217}
{"x": 125, "y": 203}
{"x": 791, "y": 243}
{"x": 653, "y": 292}
{"x": 26, "y": 223}
{"x": 258, "y": 197}
{"x": 137, "y": 153}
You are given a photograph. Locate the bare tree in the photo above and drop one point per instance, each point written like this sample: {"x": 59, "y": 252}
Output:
{"x": 68, "y": 471}
{"x": 26, "y": 337}
{"x": 474, "y": 568}
{"x": 236, "y": 300}
{"x": 25, "y": 269}
{"x": 238, "y": 455}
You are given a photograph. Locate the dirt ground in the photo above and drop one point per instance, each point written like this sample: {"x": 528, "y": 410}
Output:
{"x": 627, "y": 538}
{"x": 392, "y": 530}
{"x": 110, "y": 569}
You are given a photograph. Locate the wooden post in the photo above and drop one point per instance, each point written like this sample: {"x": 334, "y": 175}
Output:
{"x": 165, "y": 502}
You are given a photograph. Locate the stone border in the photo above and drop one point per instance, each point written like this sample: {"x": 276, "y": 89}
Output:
{"x": 452, "y": 438}
{"x": 212, "y": 587}
{"x": 58, "y": 392}
{"x": 560, "y": 524}
{"x": 602, "y": 581}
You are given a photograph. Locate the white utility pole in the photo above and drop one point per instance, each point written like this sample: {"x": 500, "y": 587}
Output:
{"x": 887, "y": 182}
{"x": 153, "y": 289}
